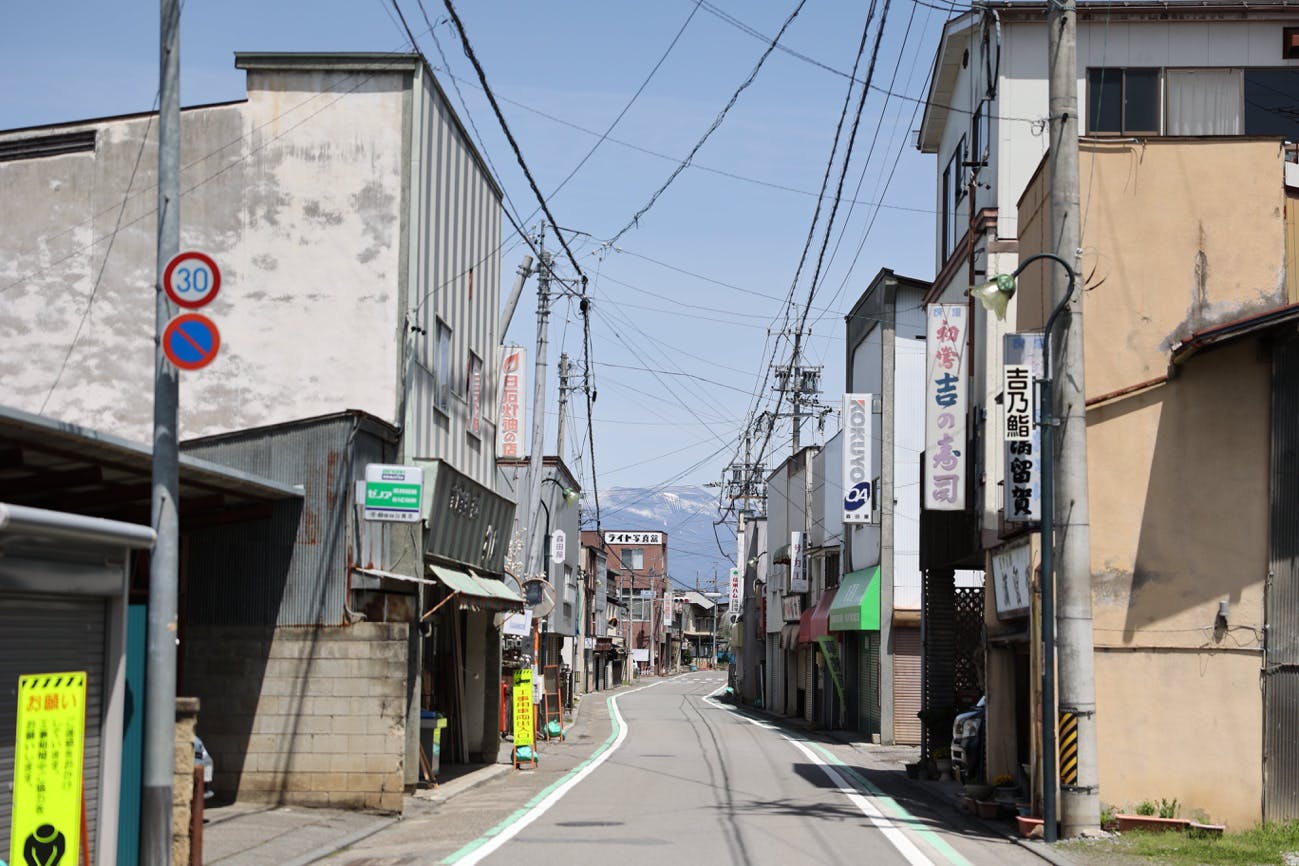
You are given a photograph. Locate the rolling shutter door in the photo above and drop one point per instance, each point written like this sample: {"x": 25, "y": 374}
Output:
{"x": 869, "y": 683}
{"x": 906, "y": 686}
{"x": 40, "y": 634}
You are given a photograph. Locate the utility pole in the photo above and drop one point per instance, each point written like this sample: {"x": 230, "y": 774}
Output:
{"x": 1080, "y": 794}
{"x": 160, "y": 692}
{"x": 530, "y": 561}
{"x": 563, "y": 403}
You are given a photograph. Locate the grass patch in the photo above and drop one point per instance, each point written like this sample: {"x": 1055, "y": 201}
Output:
{"x": 1264, "y": 844}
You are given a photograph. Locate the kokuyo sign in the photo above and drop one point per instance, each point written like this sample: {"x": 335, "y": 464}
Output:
{"x": 858, "y": 468}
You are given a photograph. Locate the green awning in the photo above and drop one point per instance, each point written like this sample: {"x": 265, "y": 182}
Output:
{"x": 856, "y": 606}
{"x": 475, "y": 591}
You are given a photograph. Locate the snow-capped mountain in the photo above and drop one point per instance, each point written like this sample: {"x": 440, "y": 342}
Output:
{"x": 686, "y": 514}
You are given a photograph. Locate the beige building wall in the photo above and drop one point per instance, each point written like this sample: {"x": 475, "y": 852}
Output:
{"x": 1178, "y": 236}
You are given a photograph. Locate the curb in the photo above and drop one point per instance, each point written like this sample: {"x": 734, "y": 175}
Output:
{"x": 339, "y": 844}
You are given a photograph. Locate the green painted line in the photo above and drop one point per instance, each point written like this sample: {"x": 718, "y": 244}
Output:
{"x": 519, "y": 813}
{"x": 939, "y": 844}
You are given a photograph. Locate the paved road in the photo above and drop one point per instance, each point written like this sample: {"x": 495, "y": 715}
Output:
{"x": 666, "y": 772}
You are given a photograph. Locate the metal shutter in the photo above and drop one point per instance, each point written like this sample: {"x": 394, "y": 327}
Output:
{"x": 809, "y": 679}
{"x": 868, "y": 682}
{"x": 40, "y": 634}
{"x": 906, "y": 686}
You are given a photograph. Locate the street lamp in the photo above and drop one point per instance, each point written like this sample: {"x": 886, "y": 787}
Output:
{"x": 995, "y": 295}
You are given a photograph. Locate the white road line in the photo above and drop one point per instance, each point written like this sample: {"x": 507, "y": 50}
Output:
{"x": 556, "y": 795}
{"x": 891, "y": 831}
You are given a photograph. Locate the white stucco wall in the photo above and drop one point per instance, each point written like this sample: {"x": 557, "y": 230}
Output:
{"x": 296, "y": 193}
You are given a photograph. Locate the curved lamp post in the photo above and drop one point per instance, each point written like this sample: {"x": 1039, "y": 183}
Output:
{"x": 995, "y": 295}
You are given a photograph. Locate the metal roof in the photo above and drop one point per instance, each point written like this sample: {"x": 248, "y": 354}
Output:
{"x": 52, "y": 464}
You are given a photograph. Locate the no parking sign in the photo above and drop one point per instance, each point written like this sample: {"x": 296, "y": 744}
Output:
{"x": 192, "y": 280}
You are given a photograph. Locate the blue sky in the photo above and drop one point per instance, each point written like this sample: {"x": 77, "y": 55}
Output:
{"x": 693, "y": 290}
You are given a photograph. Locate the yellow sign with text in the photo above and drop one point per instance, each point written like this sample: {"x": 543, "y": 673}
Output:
{"x": 525, "y": 723}
{"x": 48, "y": 754}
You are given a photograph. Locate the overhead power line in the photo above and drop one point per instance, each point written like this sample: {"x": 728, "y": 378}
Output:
{"x": 717, "y": 122}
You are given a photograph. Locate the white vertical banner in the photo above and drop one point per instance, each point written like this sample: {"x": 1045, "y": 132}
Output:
{"x": 510, "y": 426}
{"x": 858, "y": 459}
{"x": 945, "y": 407}
{"x": 1022, "y": 359}
{"x": 797, "y": 564}
{"x": 737, "y": 593}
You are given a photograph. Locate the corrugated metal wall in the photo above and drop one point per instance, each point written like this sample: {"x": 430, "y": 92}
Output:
{"x": 291, "y": 569}
{"x": 1281, "y": 675}
{"x": 455, "y": 275}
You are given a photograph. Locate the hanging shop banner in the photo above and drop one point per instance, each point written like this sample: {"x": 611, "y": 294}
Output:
{"x": 737, "y": 593}
{"x": 1012, "y": 567}
{"x": 858, "y": 462}
{"x": 524, "y": 713}
{"x": 945, "y": 407}
{"x": 518, "y": 624}
{"x": 797, "y": 564}
{"x": 49, "y": 749}
{"x": 511, "y": 430}
{"x": 1022, "y": 356}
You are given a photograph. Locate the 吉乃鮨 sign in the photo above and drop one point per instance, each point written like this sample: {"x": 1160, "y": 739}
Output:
{"x": 1022, "y": 356}
{"x": 945, "y": 404}
{"x": 49, "y": 748}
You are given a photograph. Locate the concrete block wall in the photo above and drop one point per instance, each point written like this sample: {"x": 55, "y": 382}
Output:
{"x": 182, "y": 783}
{"x": 309, "y": 716}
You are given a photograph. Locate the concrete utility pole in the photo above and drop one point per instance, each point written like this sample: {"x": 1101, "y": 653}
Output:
{"x": 160, "y": 676}
{"x": 1079, "y": 798}
{"x": 563, "y": 404}
{"x": 531, "y": 565}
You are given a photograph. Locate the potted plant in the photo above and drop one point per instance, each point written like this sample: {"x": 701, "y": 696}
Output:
{"x": 942, "y": 757}
{"x": 1153, "y": 817}
{"x": 1004, "y": 788}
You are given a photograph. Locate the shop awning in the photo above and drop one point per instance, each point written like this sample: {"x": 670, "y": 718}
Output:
{"x": 857, "y": 605}
{"x": 821, "y": 614}
{"x": 474, "y": 592}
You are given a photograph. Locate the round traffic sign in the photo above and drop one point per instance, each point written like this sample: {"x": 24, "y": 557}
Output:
{"x": 191, "y": 279}
{"x": 191, "y": 341}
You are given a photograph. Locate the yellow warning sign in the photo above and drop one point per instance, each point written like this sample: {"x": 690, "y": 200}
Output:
{"x": 48, "y": 754}
{"x": 524, "y": 713}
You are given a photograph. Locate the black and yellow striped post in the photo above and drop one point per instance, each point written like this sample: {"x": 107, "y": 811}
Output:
{"x": 1068, "y": 740}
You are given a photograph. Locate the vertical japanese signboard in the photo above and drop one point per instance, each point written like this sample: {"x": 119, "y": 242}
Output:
{"x": 797, "y": 565}
{"x": 858, "y": 465}
{"x": 737, "y": 593}
{"x": 524, "y": 719}
{"x": 48, "y": 753}
{"x": 945, "y": 407}
{"x": 1022, "y": 357}
{"x": 510, "y": 429}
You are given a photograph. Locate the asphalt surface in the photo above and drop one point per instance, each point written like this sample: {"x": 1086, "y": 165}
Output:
{"x": 666, "y": 772}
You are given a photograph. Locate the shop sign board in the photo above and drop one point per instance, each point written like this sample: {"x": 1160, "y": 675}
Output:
{"x": 393, "y": 493}
{"x": 945, "y": 407}
{"x": 1012, "y": 568}
{"x": 858, "y": 459}
{"x": 1022, "y": 354}
{"x": 525, "y": 724}
{"x": 797, "y": 564}
{"x": 510, "y": 432}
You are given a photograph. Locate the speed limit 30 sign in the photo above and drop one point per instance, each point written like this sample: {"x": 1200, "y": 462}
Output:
{"x": 191, "y": 280}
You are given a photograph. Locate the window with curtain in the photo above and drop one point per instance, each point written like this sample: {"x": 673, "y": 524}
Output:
{"x": 1204, "y": 102}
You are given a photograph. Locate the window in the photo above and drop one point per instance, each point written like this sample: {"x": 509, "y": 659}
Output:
{"x": 1271, "y": 102}
{"x": 474, "y": 394}
{"x": 633, "y": 558}
{"x": 442, "y": 365}
{"x": 1123, "y": 101}
{"x": 953, "y": 193}
{"x": 979, "y": 143}
{"x": 1203, "y": 102}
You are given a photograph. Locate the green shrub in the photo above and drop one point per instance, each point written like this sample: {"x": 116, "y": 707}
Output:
{"x": 1145, "y": 807}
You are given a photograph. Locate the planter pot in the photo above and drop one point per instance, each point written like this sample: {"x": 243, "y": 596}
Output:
{"x": 979, "y": 792}
{"x": 913, "y": 770}
{"x": 1005, "y": 795}
{"x": 944, "y": 767}
{"x": 1029, "y": 827}
{"x": 987, "y": 808}
{"x": 1151, "y": 824}
{"x": 1205, "y": 830}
